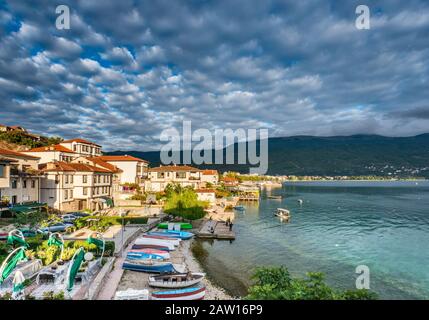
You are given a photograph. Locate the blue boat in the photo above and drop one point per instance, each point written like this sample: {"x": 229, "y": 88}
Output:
{"x": 239, "y": 208}
{"x": 196, "y": 293}
{"x": 157, "y": 267}
{"x": 142, "y": 256}
{"x": 184, "y": 235}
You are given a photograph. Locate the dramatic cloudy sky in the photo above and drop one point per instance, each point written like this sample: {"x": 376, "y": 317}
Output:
{"x": 126, "y": 69}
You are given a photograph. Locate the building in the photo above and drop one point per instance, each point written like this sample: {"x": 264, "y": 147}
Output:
{"x": 52, "y": 153}
{"x": 160, "y": 177}
{"x": 82, "y": 148}
{"x": 76, "y": 186}
{"x": 210, "y": 176}
{"x": 230, "y": 182}
{"x": 208, "y": 195}
{"x": 19, "y": 178}
{"x": 134, "y": 170}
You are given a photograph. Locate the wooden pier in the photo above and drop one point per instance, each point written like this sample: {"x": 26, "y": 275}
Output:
{"x": 221, "y": 231}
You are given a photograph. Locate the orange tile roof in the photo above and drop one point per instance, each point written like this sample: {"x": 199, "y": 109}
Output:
{"x": 80, "y": 141}
{"x": 76, "y": 167}
{"x": 174, "y": 169}
{"x": 205, "y": 191}
{"x": 121, "y": 158}
{"x": 210, "y": 172}
{"x": 229, "y": 179}
{"x": 56, "y": 147}
{"x": 6, "y": 152}
{"x": 104, "y": 164}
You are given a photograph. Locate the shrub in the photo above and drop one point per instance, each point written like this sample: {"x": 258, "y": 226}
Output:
{"x": 277, "y": 284}
{"x": 103, "y": 223}
{"x": 183, "y": 202}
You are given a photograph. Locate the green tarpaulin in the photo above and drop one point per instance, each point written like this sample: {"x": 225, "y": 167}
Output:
{"x": 10, "y": 263}
{"x": 74, "y": 267}
{"x": 54, "y": 241}
{"x": 98, "y": 242}
{"x": 16, "y": 241}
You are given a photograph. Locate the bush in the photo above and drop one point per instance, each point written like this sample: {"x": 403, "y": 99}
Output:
{"x": 183, "y": 202}
{"x": 103, "y": 223}
{"x": 277, "y": 284}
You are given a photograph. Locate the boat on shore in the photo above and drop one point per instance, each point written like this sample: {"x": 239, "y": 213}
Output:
{"x": 161, "y": 253}
{"x": 183, "y": 225}
{"x": 197, "y": 293}
{"x": 151, "y": 247}
{"x": 183, "y": 235}
{"x": 174, "y": 241}
{"x": 156, "y": 242}
{"x": 144, "y": 256}
{"x": 181, "y": 280}
{"x": 152, "y": 266}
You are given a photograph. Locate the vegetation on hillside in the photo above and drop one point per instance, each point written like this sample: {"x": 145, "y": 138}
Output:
{"x": 275, "y": 283}
{"x": 183, "y": 202}
{"x": 22, "y": 139}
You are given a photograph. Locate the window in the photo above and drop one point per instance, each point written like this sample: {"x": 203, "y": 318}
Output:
{"x": 2, "y": 171}
{"x": 160, "y": 175}
{"x": 85, "y": 191}
{"x": 99, "y": 179}
{"x": 33, "y": 184}
{"x": 66, "y": 178}
{"x": 24, "y": 184}
{"x": 66, "y": 194}
{"x": 71, "y": 194}
{"x": 75, "y": 147}
{"x": 181, "y": 175}
{"x": 85, "y": 179}
{"x": 14, "y": 184}
{"x": 71, "y": 179}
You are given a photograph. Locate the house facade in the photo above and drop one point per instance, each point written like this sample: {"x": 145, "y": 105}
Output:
{"x": 210, "y": 176}
{"x": 208, "y": 195}
{"x": 160, "y": 177}
{"x": 82, "y": 147}
{"x": 19, "y": 178}
{"x": 76, "y": 186}
{"x": 52, "y": 153}
{"x": 134, "y": 170}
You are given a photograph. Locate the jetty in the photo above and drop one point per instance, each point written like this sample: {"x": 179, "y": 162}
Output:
{"x": 220, "y": 230}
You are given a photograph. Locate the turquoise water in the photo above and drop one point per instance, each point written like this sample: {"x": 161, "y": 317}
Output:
{"x": 340, "y": 225}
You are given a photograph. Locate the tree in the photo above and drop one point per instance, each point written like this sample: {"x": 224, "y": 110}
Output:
{"x": 183, "y": 202}
{"x": 275, "y": 283}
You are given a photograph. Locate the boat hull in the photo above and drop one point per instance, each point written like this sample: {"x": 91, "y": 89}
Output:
{"x": 173, "y": 234}
{"x": 174, "y": 241}
{"x": 161, "y": 253}
{"x": 157, "y": 242}
{"x": 160, "y": 283}
{"x": 155, "y": 268}
{"x": 143, "y": 256}
{"x": 183, "y": 294}
{"x": 150, "y": 247}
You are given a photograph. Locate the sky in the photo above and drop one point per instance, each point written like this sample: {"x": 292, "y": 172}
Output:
{"x": 127, "y": 70}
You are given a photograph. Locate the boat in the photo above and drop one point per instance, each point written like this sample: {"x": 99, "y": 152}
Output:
{"x": 181, "y": 280}
{"x": 152, "y": 266}
{"x": 151, "y": 247}
{"x": 161, "y": 253}
{"x": 300, "y": 201}
{"x": 174, "y": 241}
{"x": 183, "y": 225}
{"x": 157, "y": 242}
{"x": 184, "y": 235}
{"x": 239, "y": 208}
{"x": 275, "y": 197}
{"x": 282, "y": 213}
{"x": 131, "y": 294}
{"x": 143, "y": 256}
{"x": 196, "y": 293}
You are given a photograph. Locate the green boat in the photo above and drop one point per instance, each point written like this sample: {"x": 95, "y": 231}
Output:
{"x": 183, "y": 225}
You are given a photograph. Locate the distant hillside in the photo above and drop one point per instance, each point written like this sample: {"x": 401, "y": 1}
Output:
{"x": 341, "y": 155}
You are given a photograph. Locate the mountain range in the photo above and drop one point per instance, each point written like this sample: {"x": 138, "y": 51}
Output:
{"x": 334, "y": 156}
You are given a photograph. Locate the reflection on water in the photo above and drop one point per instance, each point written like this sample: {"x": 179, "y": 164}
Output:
{"x": 339, "y": 226}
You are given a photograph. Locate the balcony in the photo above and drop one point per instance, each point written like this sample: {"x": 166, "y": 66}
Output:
{"x": 26, "y": 172}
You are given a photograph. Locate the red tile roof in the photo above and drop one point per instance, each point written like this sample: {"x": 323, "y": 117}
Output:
{"x": 205, "y": 191}
{"x": 104, "y": 164}
{"x": 76, "y": 167}
{"x": 56, "y": 147}
{"x": 174, "y": 169}
{"x": 122, "y": 158}
{"x": 210, "y": 172}
{"x": 6, "y": 152}
{"x": 80, "y": 141}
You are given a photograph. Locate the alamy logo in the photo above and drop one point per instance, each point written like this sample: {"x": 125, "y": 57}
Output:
{"x": 362, "y": 281}
{"x": 363, "y": 20}
{"x": 63, "y": 20}
{"x": 198, "y": 147}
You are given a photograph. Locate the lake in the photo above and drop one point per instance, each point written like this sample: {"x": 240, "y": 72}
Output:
{"x": 340, "y": 225}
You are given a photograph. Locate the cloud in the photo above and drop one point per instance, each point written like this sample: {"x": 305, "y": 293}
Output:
{"x": 127, "y": 70}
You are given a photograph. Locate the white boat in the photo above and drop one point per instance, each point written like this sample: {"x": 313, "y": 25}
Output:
{"x": 300, "y": 201}
{"x": 171, "y": 281}
{"x": 174, "y": 241}
{"x": 131, "y": 294}
{"x": 282, "y": 213}
{"x": 156, "y": 242}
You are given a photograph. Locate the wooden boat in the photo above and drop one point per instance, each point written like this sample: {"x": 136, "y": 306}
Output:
{"x": 161, "y": 253}
{"x": 173, "y": 234}
{"x": 174, "y": 241}
{"x": 197, "y": 293}
{"x": 183, "y": 225}
{"x": 150, "y": 247}
{"x": 181, "y": 280}
{"x": 157, "y": 242}
{"x": 151, "y": 266}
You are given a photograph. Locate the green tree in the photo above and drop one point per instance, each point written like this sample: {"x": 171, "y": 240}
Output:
{"x": 183, "y": 202}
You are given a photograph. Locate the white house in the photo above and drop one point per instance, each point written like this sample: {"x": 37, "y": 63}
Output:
{"x": 19, "y": 177}
{"x": 76, "y": 186}
{"x": 160, "y": 177}
{"x": 52, "y": 153}
{"x": 134, "y": 170}
{"x": 82, "y": 147}
{"x": 206, "y": 195}
{"x": 210, "y": 176}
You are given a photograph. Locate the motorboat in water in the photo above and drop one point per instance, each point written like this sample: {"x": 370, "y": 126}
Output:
{"x": 180, "y": 280}
{"x": 282, "y": 213}
{"x": 239, "y": 208}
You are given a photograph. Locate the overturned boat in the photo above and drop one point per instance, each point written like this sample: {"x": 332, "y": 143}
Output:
{"x": 152, "y": 266}
{"x": 184, "y": 235}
